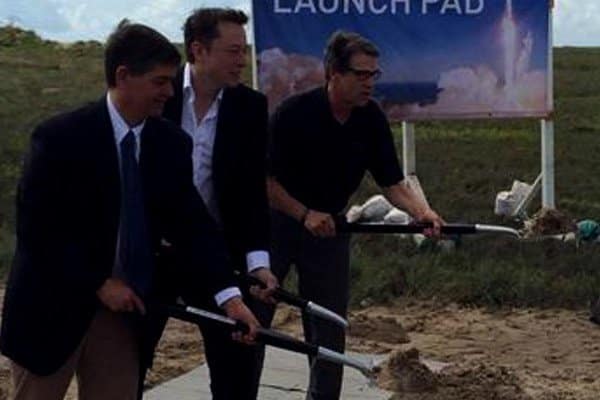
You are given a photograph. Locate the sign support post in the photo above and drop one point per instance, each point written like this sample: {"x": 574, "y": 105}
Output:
{"x": 547, "y": 125}
{"x": 408, "y": 148}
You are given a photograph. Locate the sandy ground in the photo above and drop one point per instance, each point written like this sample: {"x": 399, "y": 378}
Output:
{"x": 515, "y": 354}
{"x": 441, "y": 351}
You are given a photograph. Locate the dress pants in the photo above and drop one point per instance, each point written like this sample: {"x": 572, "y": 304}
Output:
{"x": 323, "y": 267}
{"x": 232, "y": 365}
{"x": 105, "y": 365}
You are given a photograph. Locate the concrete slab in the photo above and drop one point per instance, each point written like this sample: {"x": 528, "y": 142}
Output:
{"x": 285, "y": 377}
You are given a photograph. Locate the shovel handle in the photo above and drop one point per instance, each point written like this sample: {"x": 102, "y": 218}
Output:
{"x": 449, "y": 229}
{"x": 279, "y": 293}
{"x": 263, "y": 335}
{"x": 283, "y": 341}
{"x": 182, "y": 313}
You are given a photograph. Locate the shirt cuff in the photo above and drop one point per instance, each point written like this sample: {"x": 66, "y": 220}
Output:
{"x": 257, "y": 259}
{"x": 227, "y": 294}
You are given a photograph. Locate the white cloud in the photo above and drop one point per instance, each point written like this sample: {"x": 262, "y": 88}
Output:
{"x": 576, "y": 22}
{"x": 41, "y": 16}
{"x": 69, "y": 20}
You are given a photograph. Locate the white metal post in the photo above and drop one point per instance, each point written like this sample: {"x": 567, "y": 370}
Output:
{"x": 548, "y": 164}
{"x": 253, "y": 48}
{"x": 548, "y": 197}
{"x": 408, "y": 148}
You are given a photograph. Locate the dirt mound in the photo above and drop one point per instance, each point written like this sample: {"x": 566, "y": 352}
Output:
{"x": 548, "y": 222}
{"x": 409, "y": 379}
{"x": 377, "y": 328}
{"x": 480, "y": 382}
{"x": 403, "y": 372}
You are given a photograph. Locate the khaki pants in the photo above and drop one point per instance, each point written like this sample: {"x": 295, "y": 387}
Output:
{"x": 105, "y": 363}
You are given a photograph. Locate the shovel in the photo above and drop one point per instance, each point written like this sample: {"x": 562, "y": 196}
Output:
{"x": 268, "y": 336}
{"x": 449, "y": 229}
{"x": 303, "y": 304}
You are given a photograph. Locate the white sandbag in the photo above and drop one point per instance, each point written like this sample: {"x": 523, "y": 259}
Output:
{"x": 375, "y": 208}
{"x": 505, "y": 203}
{"x": 519, "y": 191}
{"x": 354, "y": 214}
{"x": 396, "y": 216}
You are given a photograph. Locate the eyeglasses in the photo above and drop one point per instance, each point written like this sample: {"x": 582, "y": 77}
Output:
{"x": 364, "y": 74}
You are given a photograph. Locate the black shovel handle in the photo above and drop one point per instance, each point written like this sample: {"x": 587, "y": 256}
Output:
{"x": 266, "y": 336}
{"x": 342, "y": 225}
{"x": 283, "y": 341}
{"x": 279, "y": 293}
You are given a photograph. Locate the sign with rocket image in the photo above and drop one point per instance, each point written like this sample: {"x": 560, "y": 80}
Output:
{"x": 441, "y": 59}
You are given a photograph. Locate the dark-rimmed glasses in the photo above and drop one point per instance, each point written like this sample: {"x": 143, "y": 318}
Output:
{"x": 364, "y": 74}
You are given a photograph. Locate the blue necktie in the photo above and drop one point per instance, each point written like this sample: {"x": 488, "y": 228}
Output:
{"x": 134, "y": 263}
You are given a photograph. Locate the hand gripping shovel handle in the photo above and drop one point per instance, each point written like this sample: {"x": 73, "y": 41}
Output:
{"x": 305, "y": 305}
{"x": 279, "y": 293}
{"x": 266, "y": 336}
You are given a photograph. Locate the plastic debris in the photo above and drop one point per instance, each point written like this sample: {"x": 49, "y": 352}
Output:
{"x": 588, "y": 230}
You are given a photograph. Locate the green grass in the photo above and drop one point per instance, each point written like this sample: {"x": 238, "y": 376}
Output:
{"x": 482, "y": 271}
{"x": 461, "y": 165}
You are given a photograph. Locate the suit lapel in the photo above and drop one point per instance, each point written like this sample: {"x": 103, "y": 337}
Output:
{"x": 222, "y": 149}
{"x": 147, "y": 148}
{"x": 106, "y": 163}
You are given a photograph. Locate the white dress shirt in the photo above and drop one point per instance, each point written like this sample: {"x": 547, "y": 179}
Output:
{"x": 120, "y": 130}
{"x": 203, "y": 135}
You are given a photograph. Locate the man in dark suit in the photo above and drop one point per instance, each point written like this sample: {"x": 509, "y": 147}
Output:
{"x": 227, "y": 122}
{"x": 102, "y": 186}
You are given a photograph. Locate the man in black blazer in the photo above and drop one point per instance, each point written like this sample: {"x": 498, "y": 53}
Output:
{"x": 102, "y": 186}
{"x": 227, "y": 122}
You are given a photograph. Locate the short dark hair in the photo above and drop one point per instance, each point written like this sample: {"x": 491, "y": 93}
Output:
{"x": 203, "y": 26}
{"x": 340, "y": 48}
{"x": 139, "y": 48}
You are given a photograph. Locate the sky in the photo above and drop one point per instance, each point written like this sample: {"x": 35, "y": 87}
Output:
{"x": 576, "y": 22}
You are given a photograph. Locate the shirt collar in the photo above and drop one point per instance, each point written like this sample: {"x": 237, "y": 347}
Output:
{"x": 120, "y": 127}
{"x": 188, "y": 89}
{"x": 190, "y": 96}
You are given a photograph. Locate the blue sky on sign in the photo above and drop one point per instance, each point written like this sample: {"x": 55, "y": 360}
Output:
{"x": 431, "y": 42}
{"x": 576, "y": 22}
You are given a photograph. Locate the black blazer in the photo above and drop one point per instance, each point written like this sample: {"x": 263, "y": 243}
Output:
{"x": 67, "y": 223}
{"x": 239, "y": 166}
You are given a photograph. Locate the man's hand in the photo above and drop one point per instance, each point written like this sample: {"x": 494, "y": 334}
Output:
{"x": 236, "y": 309}
{"x": 118, "y": 297}
{"x": 319, "y": 224}
{"x": 428, "y": 215}
{"x": 265, "y": 276}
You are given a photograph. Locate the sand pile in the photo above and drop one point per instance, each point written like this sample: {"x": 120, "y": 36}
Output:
{"x": 403, "y": 372}
{"x": 548, "y": 222}
{"x": 479, "y": 382}
{"x": 409, "y": 378}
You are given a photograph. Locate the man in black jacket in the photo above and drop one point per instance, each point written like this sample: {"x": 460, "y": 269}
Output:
{"x": 227, "y": 122}
{"x": 316, "y": 164}
{"x": 102, "y": 186}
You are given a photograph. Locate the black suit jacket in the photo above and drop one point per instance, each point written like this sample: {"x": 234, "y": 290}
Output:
{"x": 239, "y": 166}
{"x": 67, "y": 222}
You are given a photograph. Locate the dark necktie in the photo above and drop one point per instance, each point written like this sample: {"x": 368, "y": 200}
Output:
{"x": 134, "y": 263}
